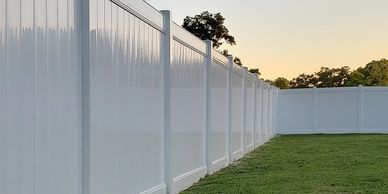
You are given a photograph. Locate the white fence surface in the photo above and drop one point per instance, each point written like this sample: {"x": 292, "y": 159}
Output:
{"x": 40, "y": 97}
{"x": 333, "y": 110}
{"x": 111, "y": 96}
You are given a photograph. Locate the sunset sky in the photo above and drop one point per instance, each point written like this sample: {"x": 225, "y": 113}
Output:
{"x": 287, "y": 37}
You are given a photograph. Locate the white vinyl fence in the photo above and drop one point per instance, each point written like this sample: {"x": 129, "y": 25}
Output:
{"x": 333, "y": 110}
{"x": 111, "y": 96}
{"x": 40, "y": 97}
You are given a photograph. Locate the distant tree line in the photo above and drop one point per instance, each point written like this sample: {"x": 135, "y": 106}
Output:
{"x": 374, "y": 73}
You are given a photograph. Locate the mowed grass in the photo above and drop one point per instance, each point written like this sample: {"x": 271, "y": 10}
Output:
{"x": 307, "y": 164}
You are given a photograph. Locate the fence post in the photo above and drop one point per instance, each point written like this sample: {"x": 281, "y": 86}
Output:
{"x": 229, "y": 138}
{"x": 209, "y": 61}
{"x": 315, "y": 110}
{"x": 245, "y": 110}
{"x": 167, "y": 53}
{"x": 360, "y": 109}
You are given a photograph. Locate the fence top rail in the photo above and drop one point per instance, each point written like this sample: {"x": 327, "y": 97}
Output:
{"x": 144, "y": 11}
{"x": 376, "y": 88}
{"x": 220, "y": 57}
{"x": 217, "y": 62}
{"x": 190, "y": 40}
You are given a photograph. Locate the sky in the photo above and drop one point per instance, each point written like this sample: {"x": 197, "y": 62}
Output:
{"x": 284, "y": 38}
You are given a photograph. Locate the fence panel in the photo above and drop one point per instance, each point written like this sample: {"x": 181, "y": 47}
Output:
{"x": 374, "y": 102}
{"x": 187, "y": 115}
{"x": 258, "y": 114}
{"x": 270, "y": 108}
{"x": 237, "y": 113}
{"x": 40, "y": 97}
{"x": 250, "y": 113}
{"x": 276, "y": 110}
{"x": 126, "y": 114}
{"x": 218, "y": 116}
{"x": 265, "y": 110}
{"x": 337, "y": 110}
{"x": 296, "y": 108}
{"x": 271, "y": 111}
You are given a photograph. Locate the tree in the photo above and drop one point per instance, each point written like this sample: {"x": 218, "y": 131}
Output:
{"x": 281, "y": 83}
{"x": 341, "y": 76}
{"x": 335, "y": 77}
{"x": 225, "y": 52}
{"x": 257, "y": 71}
{"x": 325, "y": 77}
{"x": 236, "y": 60}
{"x": 269, "y": 81}
{"x": 376, "y": 73}
{"x": 209, "y": 26}
{"x": 356, "y": 78}
{"x": 304, "y": 81}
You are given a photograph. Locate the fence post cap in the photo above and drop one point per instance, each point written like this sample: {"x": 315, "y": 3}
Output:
{"x": 230, "y": 61}
{"x": 165, "y": 12}
{"x": 209, "y": 42}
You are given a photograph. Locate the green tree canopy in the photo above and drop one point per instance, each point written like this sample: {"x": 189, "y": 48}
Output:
{"x": 376, "y": 73}
{"x": 257, "y": 71}
{"x": 356, "y": 78}
{"x": 225, "y": 52}
{"x": 304, "y": 81}
{"x": 332, "y": 77}
{"x": 281, "y": 83}
{"x": 268, "y": 81}
{"x": 238, "y": 61}
{"x": 209, "y": 26}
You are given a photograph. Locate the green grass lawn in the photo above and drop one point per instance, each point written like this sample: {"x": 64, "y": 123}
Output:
{"x": 307, "y": 164}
